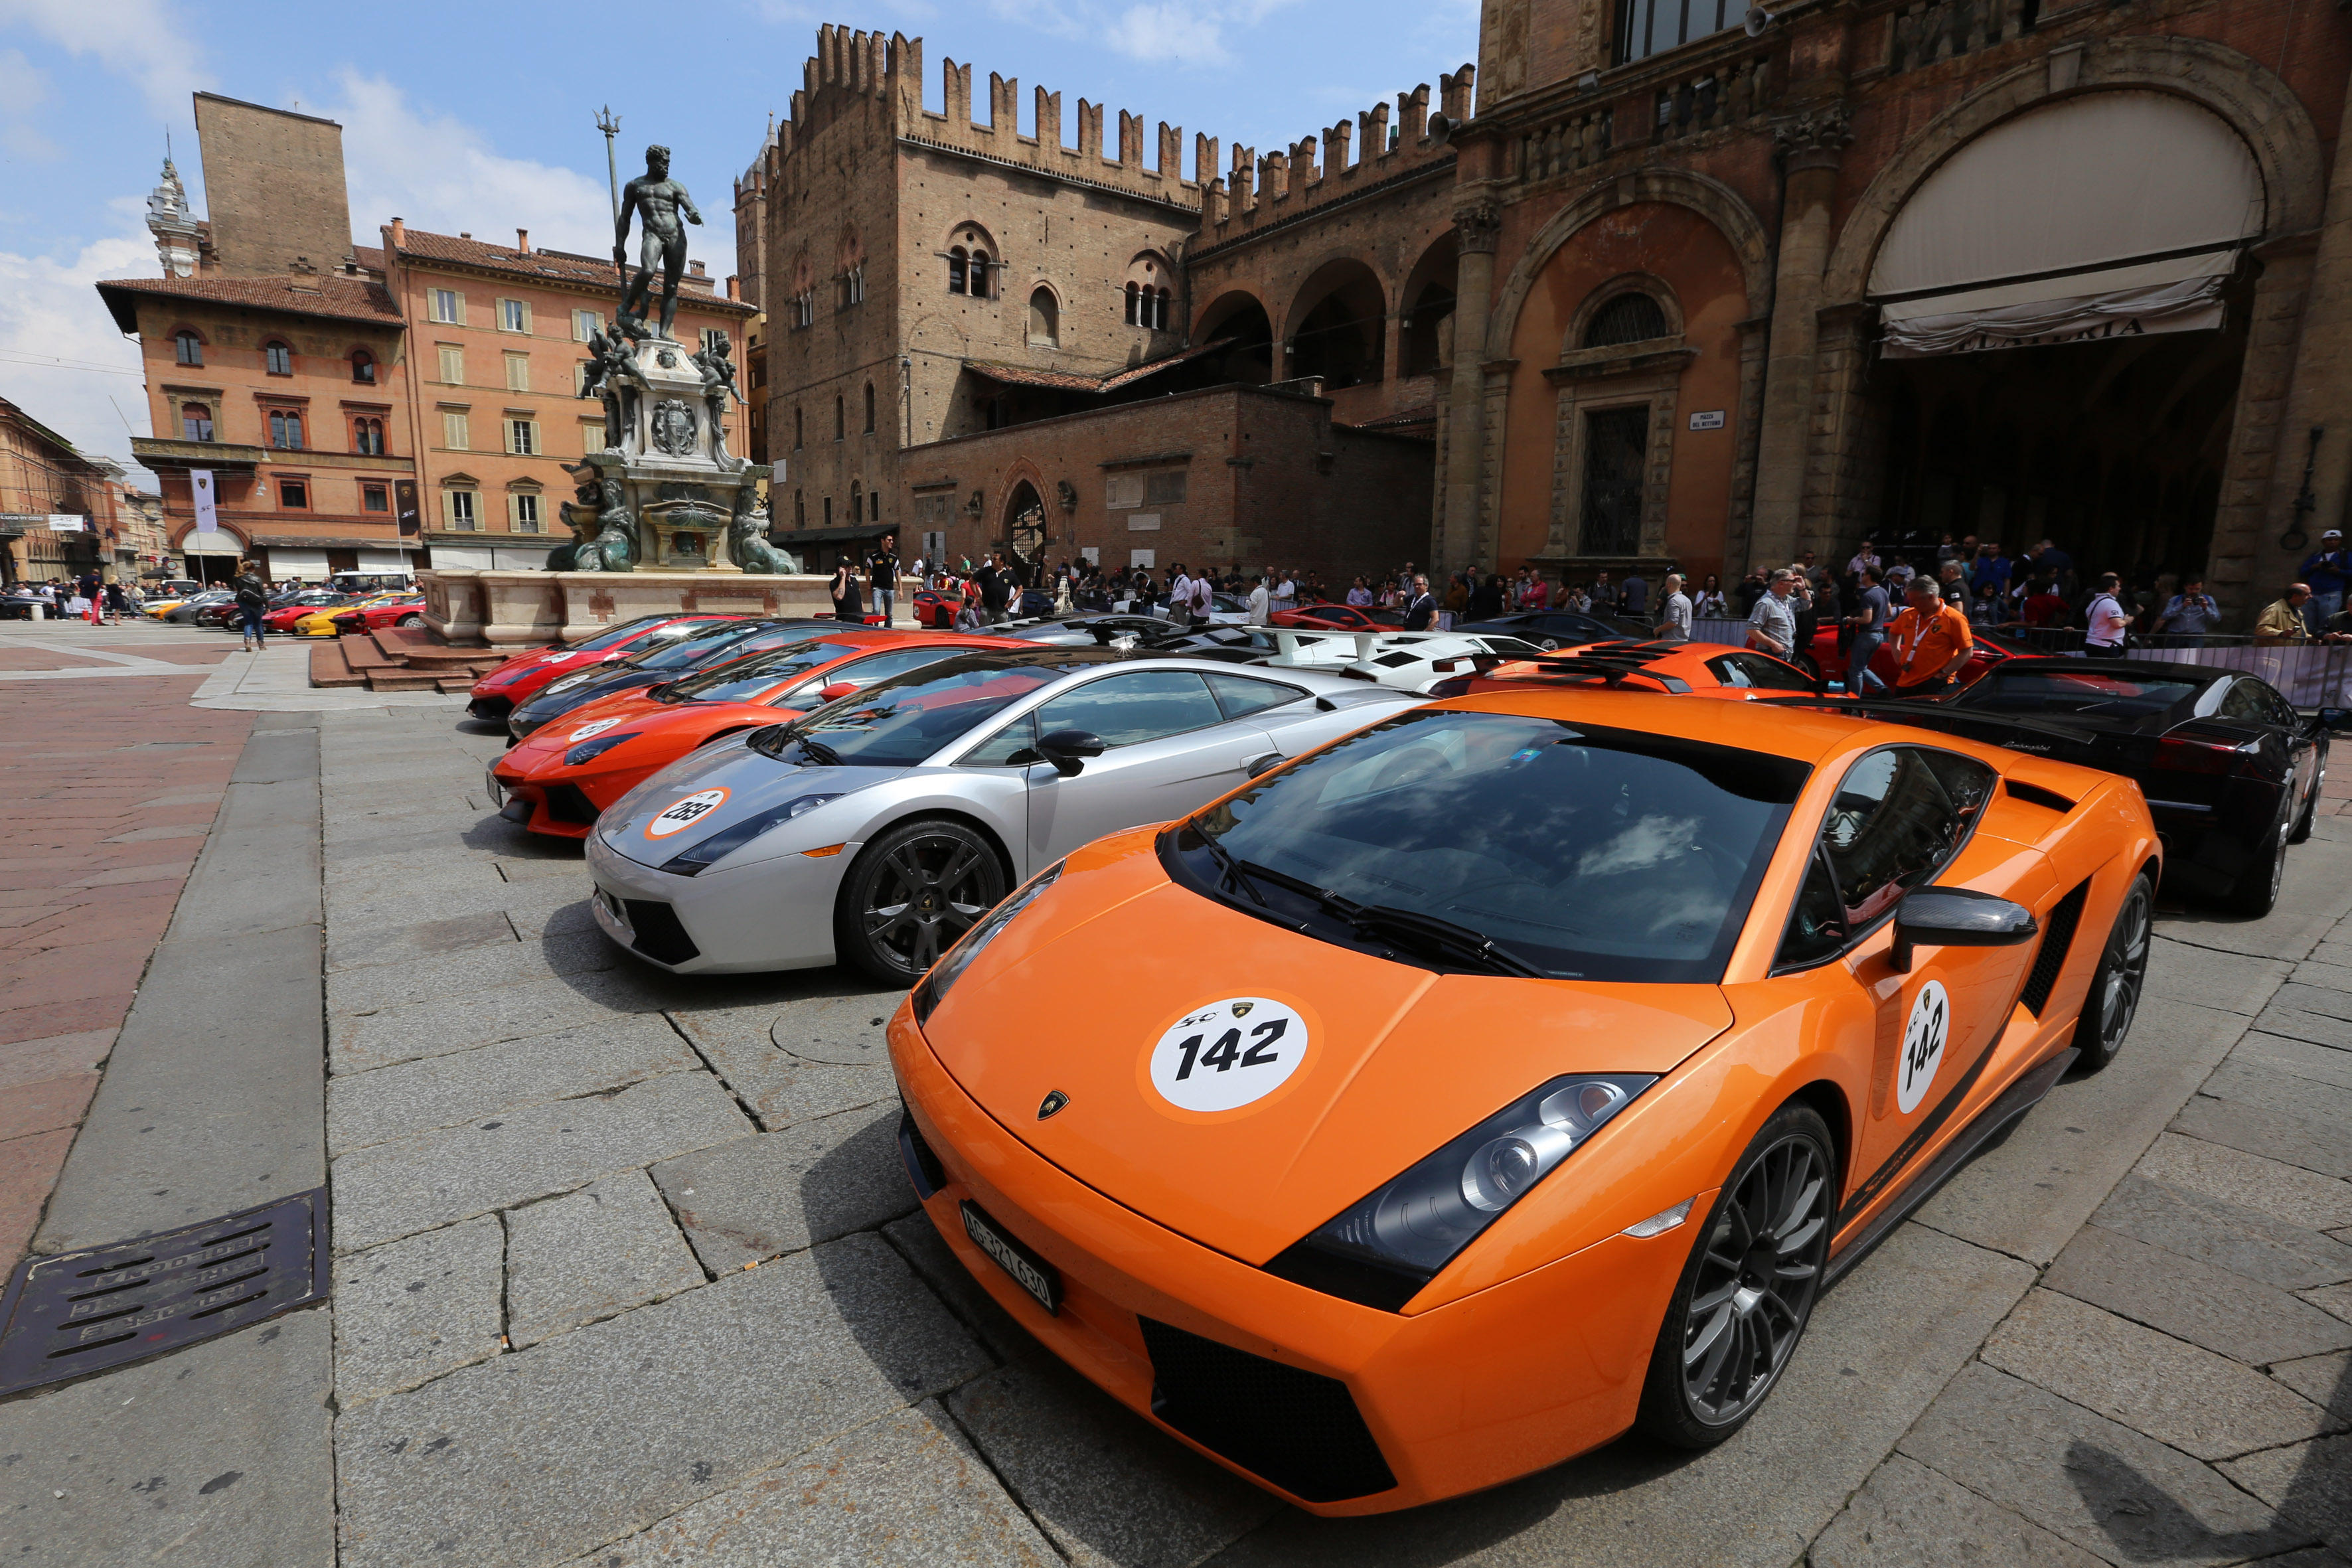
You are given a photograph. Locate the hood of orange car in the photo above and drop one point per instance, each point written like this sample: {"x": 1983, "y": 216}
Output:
{"x": 544, "y": 747}
{"x": 1396, "y": 1062}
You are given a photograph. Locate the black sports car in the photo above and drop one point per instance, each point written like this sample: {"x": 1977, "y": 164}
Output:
{"x": 1559, "y": 628}
{"x": 2231, "y": 771}
{"x": 714, "y": 644}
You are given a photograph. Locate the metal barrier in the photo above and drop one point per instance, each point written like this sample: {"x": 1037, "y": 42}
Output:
{"x": 2314, "y": 675}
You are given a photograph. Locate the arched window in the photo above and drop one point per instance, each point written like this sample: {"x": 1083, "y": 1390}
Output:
{"x": 957, "y": 271}
{"x": 367, "y": 437}
{"x": 856, "y": 501}
{"x": 797, "y": 442}
{"x": 874, "y": 505}
{"x": 281, "y": 358}
{"x": 869, "y": 407}
{"x": 189, "y": 348}
{"x": 285, "y": 431}
{"x": 1044, "y": 318}
{"x": 195, "y": 422}
{"x": 1627, "y": 319}
{"x": 364, "y": 366}
{"x": 840, "y": 425}
{"x": 980, "y": 275}
{"x": 1134, "y": 308}
{"x": 1160, "y": 317}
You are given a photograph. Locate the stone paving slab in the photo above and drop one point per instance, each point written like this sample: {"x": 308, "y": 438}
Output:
{"x": 2258, "y": 1130}
{"x": 391, "y": 905}
{"x": 918, "y": 1241}
{"x": 430, "y": 1092}
{"x": 2310, "y": 1483}
{"x": 597, "y": 1434}
{"x": 2325, "y": 1380}
{"x": 2296, "y": 1024}
{"x": 410, "y": 1184}
{"x": 781, "y": 1088}
{"x": 2092, "y": 1481}
{"x": 1910, "y": 1517}
{"x": 410, "y": 1310}
{"x": 594, "y": 1253}
{"x": 1111, "y": 1491}
{"x": 2199, "y": 1402}
{"x": 2228, "y": 1313}
{"x": 2256, "y": 1182}
{"x": 470, "y": 969}
{"x": 2296, "y": 1058}
{"x": 780, "y": 1192}
{"x": 408, "y": 941}
{"x": 380, "y": 1036}
{"x": 2225, "y": 982}
{"x": 533, "y": 924}
{"x": 2224, "y": 1235}
{"x": 907, "y": 1491}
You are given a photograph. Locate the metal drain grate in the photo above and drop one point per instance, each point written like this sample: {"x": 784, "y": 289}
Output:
{"x": 88, "y": 1311}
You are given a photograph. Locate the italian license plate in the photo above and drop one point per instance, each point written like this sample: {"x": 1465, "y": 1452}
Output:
{"x": 1031, "y": 1272}
{"x": 497, "y": 791}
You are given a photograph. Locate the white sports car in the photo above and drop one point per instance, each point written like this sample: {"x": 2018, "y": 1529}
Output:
{"x": 1407, "y": 661}
{"x": 878, "y": 829}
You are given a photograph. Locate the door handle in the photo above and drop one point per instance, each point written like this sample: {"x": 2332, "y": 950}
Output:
{"x": 1266, "y": 763}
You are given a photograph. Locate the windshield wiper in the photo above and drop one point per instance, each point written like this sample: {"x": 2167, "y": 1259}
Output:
{"x": 825, "y": 755}
{"x": 1231, "y": 869}
{"x": 1430, "y": 934}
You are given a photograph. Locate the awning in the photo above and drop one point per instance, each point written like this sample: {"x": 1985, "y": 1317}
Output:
{"x": 2183, "y": 294}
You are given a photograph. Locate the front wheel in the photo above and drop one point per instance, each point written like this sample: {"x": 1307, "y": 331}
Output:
{"x": 2256, "y": 890}
{"x": 910, "y": 894}
{"x": 2113, "y": 1000}
{"x": 1749, "y": 1289}
{"x": 411, "y": 620}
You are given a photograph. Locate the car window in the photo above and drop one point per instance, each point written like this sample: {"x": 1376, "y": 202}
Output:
{"x": 1754, "y": 670}
{"x": 1015, "y": 745}
{"x": 1130, "y": 708}
{"x": 905, "y": 721}
{"x": 613, "y": 636}
{"x": 1817, "y": 927}
{"x": 2244, "y": 702}
{"x": 739, "y": 679}
{"x": 661, "y": 637}
{"x": 698, "y": 644}
{"x": 867, "y": 671}
{"x": 2281, "y": 711}
{"x": 1898, "y": 815}
{"x": 1240, "y": 694}
{"x": 2044, "y": 685}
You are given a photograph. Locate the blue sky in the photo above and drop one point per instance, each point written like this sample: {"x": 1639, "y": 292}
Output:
{"x": 474, "y": 117}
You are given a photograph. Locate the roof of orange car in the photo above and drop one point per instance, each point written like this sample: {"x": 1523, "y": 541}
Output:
{"x": 1800, "y": 734}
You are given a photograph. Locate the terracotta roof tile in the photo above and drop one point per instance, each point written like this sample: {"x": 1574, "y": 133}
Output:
{"x": 1071, "y": 381}
{"x": 304, "y": 294}
{"x": 546, "y": 266}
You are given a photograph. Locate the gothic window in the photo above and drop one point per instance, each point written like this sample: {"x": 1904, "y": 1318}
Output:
{"x": 958, "y": 271}
{"x": 1627, "y": 319}
{"x": 869, "y": 407}
{"x": 285, "y": 431}
{"x": 980, "y": 275}
{"x": 363, "y": 367}
{"x": 188, "y": 347}
{"x": 195, "y": 422}
{"x": 1160, "y": 315}
{"x": 367, "y": 437}
{"x": 1134, "y": 305}
{"x": 1044, "y": 318}
{"x": 840, "y": 422}
{"x": 281, "y": 358}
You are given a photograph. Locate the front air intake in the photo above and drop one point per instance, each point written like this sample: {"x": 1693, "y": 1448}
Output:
{"x": 661, "y": 936}
{"x": 1297, "y": 1429}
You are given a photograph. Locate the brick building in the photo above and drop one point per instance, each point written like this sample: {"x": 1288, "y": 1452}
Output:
{"x": 1667, "y": 289}
{"x": 45, "y": 478}
{"x": 359, "y": 407}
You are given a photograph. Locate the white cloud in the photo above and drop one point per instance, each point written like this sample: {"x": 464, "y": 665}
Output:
{"x": 140, "y": 38}
{"x": 441, "y": 174}
{"x": 1186, "y": 35}
{"x": 61, "y": 359}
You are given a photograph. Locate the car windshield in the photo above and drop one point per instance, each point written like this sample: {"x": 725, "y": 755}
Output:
{"x": 903, "y": 722}
{"x": 1500, "y": 842}
{"x": 613, "y": 636}
{"x": 697, "y": 646}
{"x": 2004, "y": 690}
{"x": 739, "y": 680}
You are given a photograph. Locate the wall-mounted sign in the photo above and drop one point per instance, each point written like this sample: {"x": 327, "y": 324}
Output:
{"x": 67, "y": 523}
{"x": 1710, "y": 419}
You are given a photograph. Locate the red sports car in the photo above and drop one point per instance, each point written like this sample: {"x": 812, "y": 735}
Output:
{"x": 282, "y": 619}
{"x": 1330, "y": 618}
{"x": 560, "y": 778}
{"x": 1992, "y": 647}
{"x": 496, "y": 693}
{"x": 408, "y": 610}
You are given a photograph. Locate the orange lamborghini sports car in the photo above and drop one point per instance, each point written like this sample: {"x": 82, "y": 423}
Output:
{"x": 1698, "y": 668}
{"x": 558, "y": 780}
{"x": 1510, "y": 1073}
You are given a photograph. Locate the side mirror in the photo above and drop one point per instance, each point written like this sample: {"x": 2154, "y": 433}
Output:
{"x": 1068, "y": 749}
{"x": 836, "y": 691}
{"x": 1956, "y": 917}
{"x": 2338, "y": 720}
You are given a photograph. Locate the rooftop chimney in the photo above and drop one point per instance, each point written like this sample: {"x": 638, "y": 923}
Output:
{"x": 463, "y": 234}
{"x": 522, "y": 240}
{"x": 695, "y": 267}
{"x": 734, "y": 287}
{"x": 399, "y": 234}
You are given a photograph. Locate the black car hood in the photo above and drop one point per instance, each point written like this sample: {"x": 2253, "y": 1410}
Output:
{"x": 545, "y": 705}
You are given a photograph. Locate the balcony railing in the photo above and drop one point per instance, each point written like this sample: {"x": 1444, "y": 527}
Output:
{"x": 1724, "y": 93}
{"x": 1927, "y": 31}
{"x": 1577, "y": 141}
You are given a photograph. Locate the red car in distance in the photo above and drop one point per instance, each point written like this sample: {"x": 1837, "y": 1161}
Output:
{"x": 1332, "y": 618}
{"x": 496, "y": 694}
{"x": 1992, "y": 647}
{"x": 408, "y": 610}
{"x": 565, "y": 772}
{"x": 283, "y": 618}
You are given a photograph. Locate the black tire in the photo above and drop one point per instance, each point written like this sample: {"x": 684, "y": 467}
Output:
{"x": 2311, "y": 802}
{"x": 411, "y": 620}
{"x": 910, "y": 893}
{"x": 1749, "y": 1289}
{"x": 2256, "y": 890}
{"x": 2113, "y": 1001}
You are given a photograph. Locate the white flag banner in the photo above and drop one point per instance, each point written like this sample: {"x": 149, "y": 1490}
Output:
{"x": 67, "y": 523}
{"x": 2179, "y": 294}
{"x": 201, "y": 481}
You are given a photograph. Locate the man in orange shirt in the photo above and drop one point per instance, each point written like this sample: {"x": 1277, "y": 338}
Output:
{"x": 1930, "y": 641}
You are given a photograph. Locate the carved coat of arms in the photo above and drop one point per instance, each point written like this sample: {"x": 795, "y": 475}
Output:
{"x": 674, "y": 426}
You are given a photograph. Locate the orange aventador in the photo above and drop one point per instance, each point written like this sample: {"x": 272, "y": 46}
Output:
{"x": 1510, "y": 1073}
{"x": 1699, "y": 668}
{"x": 560, "y": 779}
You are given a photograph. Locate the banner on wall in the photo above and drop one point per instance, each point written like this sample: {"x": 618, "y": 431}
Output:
{"x": 2186, "y": 305}
{"x": 200, "y": 482}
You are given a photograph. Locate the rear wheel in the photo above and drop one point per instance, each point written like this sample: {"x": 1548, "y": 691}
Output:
{"x": 910, "y": 894}
{"x": 1748, "y": 1291}
{"x": 411, "y": 620}
{"x": 2311, "y": 802}
{"x": 2114, "y": 997}
{"x": 2256, "y": 890}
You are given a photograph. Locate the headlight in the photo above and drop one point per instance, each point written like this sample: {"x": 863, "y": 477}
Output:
{"x": 1380, "y": 1251}
{"x": 693, "y": 862}
{"x": 588, "y": 751}
{"x": 956, "y": 959}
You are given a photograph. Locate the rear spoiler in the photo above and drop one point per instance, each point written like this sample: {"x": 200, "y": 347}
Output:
{"x": 2011, "y": 731}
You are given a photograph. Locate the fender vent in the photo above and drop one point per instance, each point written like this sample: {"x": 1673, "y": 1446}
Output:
{"x": 661, "y": 936}
{"x": 1299, "y": 1430}
{"x": 2057, "y": 938}
{"x": 2034, "y": 795}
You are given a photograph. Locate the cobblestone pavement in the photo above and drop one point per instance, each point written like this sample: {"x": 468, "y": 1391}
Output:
{"x": 626, "y": 1273}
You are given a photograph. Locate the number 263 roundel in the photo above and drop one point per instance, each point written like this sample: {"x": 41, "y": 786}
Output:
{"x": 681, "y": 815}
{"x": 1228, "y": 1054}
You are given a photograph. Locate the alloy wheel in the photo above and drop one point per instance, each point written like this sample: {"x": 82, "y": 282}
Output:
{"x": 928, "y": 891}
{"x": 2126, "y": 971}
{"x": 1756, "y": 1281}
